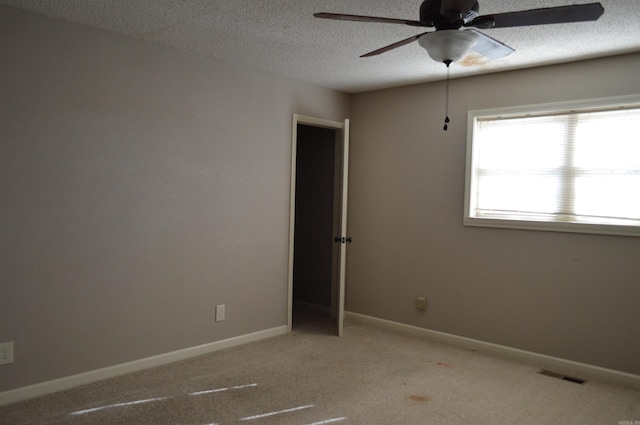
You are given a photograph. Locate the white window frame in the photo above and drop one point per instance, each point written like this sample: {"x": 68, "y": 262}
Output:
{"x": 470, "y": 219}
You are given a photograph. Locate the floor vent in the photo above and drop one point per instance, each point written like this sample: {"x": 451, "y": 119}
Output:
{"x": 562, "y": 376}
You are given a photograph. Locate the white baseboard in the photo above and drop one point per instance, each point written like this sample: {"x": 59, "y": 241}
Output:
{"x": 65, "y": 383}
{"x": 555, "y": 363}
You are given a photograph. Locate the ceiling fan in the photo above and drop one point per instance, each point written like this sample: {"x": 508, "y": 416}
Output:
{"x": 449, "y": 42}
{"x": 451, "y": 39}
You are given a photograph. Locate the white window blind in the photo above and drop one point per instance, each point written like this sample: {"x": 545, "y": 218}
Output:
{"x": 574, "y": 170}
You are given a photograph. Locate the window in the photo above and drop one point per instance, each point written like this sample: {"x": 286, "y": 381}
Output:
{"x": 571, "y": 167}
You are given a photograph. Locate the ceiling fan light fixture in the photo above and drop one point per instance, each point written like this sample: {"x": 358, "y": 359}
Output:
{"x": 448, "y": 45}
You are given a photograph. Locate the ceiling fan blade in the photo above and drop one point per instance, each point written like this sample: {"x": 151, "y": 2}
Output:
{"x": 490, "y": 47}
{"x": 360, "y": 18}
{"x": 393, "y": 46}
{"x": 550, "y": 15}
{"x": 455, "y": 9}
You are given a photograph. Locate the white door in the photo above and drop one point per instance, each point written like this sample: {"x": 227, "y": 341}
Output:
{"x": 344, "y": 239}
{"x": 340, "y": 214}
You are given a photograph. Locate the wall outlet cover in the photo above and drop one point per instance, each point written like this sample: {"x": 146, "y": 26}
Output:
{"x": 421, "y": 303}
{"x": 6, "y": 352}
{"x": 220, "y": 312}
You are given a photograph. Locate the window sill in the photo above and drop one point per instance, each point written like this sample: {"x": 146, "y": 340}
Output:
{"x": 570, "y": 227}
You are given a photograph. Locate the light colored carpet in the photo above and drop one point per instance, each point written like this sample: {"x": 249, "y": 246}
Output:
{"x": 372, "y": 375}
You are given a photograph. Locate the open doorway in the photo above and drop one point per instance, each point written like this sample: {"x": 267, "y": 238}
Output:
{"x": 314, "y": 230}
{"x": 318, "y": 225}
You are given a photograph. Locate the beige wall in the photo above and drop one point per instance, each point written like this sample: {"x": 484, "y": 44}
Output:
{"x": 573, "y": 296}
{"x": 139, "y": 187}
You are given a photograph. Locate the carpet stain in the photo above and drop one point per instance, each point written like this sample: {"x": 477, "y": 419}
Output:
{"x": 445, "y": 365}
{"x": 419, "y": 398}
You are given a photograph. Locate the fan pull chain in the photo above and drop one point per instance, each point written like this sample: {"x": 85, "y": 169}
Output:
{"x": 446, "y": 110}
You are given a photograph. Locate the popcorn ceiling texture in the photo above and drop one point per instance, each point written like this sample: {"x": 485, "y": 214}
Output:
{"x": 282, "y": 37}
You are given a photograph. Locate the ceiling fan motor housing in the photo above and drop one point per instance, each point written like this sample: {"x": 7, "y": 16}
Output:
{"x": 430, "y": 15}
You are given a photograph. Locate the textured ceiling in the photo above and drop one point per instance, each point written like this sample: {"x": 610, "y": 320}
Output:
{"x": 282, "y": 37}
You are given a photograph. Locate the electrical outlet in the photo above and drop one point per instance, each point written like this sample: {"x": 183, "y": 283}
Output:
{"x": 220, "y": 310}
{"x": 6, "y": 352}
{"x": 421, "y": 303}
